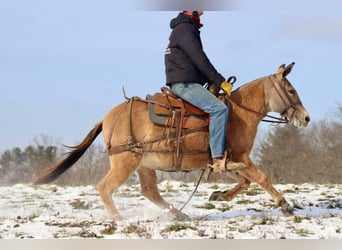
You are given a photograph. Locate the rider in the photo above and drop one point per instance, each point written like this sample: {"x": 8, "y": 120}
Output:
{"x": 187, "y": 70}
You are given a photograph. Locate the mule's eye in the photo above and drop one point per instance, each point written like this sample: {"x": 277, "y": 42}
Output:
{"x": 292, "y": 91}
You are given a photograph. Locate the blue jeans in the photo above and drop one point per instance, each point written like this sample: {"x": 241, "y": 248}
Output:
{"x": 198, "y": 96}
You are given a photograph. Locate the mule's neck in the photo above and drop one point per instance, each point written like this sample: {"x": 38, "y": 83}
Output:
{"x": 244, "y": 122}
{"x": 252, "y": 96}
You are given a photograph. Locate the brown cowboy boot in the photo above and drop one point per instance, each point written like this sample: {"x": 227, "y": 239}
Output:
{"x": 220, "y": 165}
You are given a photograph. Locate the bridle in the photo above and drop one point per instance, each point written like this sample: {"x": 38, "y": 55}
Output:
{"x": 284, "y": 96}
{"x": 279, "y": 86}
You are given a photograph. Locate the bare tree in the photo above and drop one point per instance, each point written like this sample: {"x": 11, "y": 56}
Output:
{"x": 288, "y": 154}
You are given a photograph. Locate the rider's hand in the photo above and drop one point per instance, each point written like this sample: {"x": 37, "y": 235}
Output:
{"x": 214, "y": 89}
{"x": 227, "y": 87}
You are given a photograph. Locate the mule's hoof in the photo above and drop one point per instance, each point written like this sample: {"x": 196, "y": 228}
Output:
{"x": 179, "y": 216}
{"x": 217, "y": 196}
{"x": 287, "y": 210}
{"x": 115, "y": 217}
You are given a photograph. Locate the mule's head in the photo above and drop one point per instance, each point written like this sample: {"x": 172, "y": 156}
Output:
{"x": 282, "y": 97}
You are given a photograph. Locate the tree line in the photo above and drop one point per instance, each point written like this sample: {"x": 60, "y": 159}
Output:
{"x": 285, "y": 153}
{"x": 23, "y": 165}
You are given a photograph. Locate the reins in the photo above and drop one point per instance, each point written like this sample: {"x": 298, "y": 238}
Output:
{"x": 275, "y": 119}
{"x": 195, "y": 190}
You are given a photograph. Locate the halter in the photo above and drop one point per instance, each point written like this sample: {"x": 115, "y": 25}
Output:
{"x": 279, "y": 86}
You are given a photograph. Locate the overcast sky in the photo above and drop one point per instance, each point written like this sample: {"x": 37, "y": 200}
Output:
{"x": 63, "y": 63}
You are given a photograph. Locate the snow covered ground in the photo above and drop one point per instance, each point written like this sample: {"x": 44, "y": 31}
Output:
{"x": 51, "y": 211}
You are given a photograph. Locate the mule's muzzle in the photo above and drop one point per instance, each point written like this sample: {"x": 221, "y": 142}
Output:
{"x": 301, "y": 119}
{"x": 297, "y": 115}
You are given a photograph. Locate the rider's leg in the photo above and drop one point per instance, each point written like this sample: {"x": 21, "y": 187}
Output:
{"x": 200, "y": 97}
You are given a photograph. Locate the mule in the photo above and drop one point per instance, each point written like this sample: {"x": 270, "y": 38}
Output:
{"x": 129, "y": 124}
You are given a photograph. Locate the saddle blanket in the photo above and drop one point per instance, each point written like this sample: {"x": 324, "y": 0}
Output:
{"x": 161, "y": 109}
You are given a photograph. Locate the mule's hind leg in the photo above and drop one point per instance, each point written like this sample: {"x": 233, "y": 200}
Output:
{"x": 149, "y": 189}
{"x": 245, "y": 177}
{"x": 256, "y": 175}
{"x": 230, "y": 194}
{"x": 121, "y": 169}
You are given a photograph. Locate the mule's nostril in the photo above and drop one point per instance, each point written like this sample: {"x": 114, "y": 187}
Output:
{"x": 307, "y": 118}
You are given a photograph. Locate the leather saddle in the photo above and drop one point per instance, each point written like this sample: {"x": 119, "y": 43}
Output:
{"x": 166, "y": 109}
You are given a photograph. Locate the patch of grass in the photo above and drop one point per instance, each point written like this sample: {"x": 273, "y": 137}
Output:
{"x": 225, "y": 207}
{"x": 185, "y": 185}
{"x": 202, "y": 233}
{"x": 334, "y": 204}
{"x": 131, "y": 229}
{"x": 243, "y": 202}
{"x": 330, "y": 196}
{"x": 321, "y": 199}
{"x": 245, "y": 229}
{"x": 31, "y": 217}
{"x": 79, "y": 204}
{"x": 302, "y": 231}
{"x": 45, "y": 205}
{"x": 297, "y": 219}
{"x": 207, "y": 205}
{"x": 252, "y": 192}
{"x": 178, "y": 227}
{"x": 214, "y": 186}
{"x": 88, "y": 234}
{"x": 136, "y": 229}
{"x": 265, "y": 220}
{"x": 110, "y": 228}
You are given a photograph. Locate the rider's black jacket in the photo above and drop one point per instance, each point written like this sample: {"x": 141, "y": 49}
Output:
{"x": 185, "y": 60}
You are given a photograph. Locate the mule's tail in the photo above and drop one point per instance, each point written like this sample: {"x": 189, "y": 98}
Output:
{"x": 53, "y": 172}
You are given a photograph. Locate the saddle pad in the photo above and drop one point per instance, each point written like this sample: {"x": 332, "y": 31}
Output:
{"x": 190, "y": 120}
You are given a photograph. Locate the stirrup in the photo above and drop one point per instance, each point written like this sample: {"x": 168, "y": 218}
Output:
{"x": 226, "y": 165}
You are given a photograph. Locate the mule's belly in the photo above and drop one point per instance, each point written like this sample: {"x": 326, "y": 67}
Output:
{"x": 194, "y": 153}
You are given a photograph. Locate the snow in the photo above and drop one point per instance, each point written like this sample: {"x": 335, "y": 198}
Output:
{"x": 50, "y": 211}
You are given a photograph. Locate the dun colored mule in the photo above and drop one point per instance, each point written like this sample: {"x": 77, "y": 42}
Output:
{"x": 128, "y": 130}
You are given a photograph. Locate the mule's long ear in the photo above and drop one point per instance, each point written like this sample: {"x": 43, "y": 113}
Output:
{"x": 280, "y": 71}
{"x": 283, "y": 71}
{"x": 288, "y": 69}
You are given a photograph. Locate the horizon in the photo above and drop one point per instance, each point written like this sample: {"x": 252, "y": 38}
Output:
{"x": 63, "y": 64}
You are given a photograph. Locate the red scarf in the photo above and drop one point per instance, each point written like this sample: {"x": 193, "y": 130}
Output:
{"x": 196, "y": 18}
